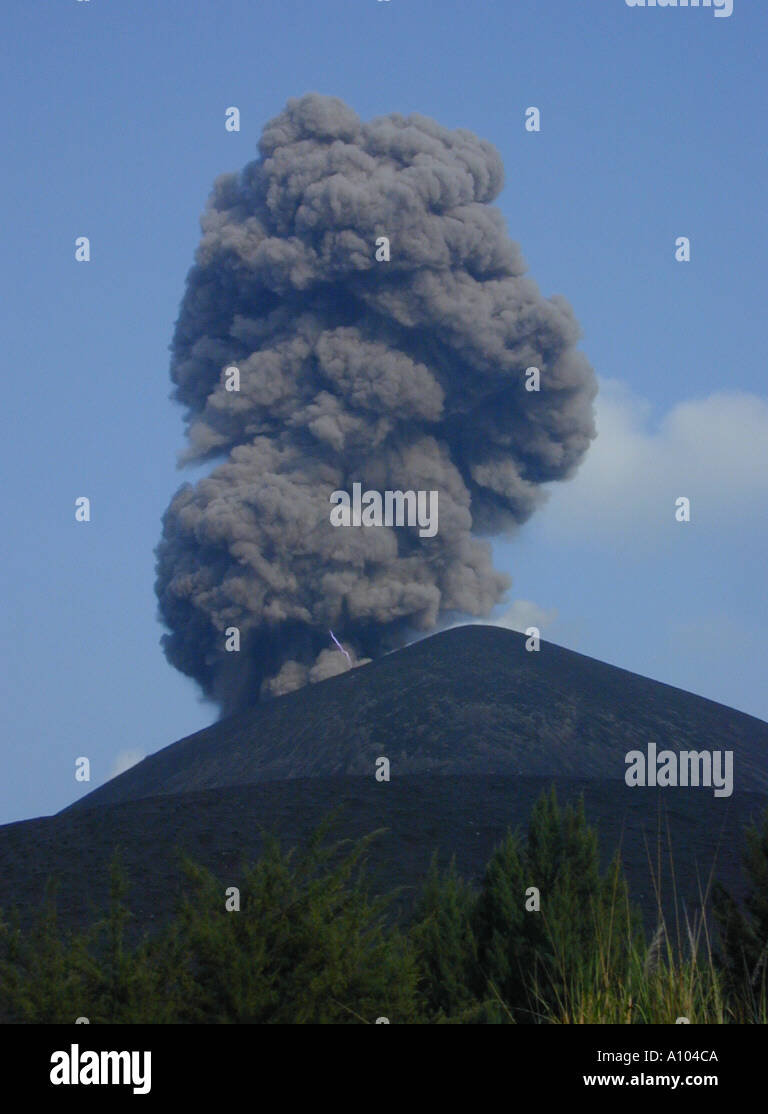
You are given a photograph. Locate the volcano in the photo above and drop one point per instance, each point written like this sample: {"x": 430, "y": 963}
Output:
{"x": 474, "y": 727}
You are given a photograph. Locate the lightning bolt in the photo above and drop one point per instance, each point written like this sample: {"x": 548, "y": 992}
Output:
{"x": 335, "y": 639}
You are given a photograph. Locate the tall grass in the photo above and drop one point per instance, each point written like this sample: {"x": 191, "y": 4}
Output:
{"x": 631, "y": 979}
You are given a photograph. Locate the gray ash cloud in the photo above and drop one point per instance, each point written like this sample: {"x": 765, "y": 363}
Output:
{"x": 400, "y": 375}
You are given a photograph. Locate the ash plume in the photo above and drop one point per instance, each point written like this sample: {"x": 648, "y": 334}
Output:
{"x": 399, "y": 375}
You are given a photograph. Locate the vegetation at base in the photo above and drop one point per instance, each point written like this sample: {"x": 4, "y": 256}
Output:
{"x": 311, "y": 945}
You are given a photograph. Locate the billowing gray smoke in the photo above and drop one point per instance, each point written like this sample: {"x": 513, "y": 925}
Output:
{"x": 407, "y": 374}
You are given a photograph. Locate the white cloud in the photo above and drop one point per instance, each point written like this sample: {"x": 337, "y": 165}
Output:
{"x": 713, "y": 450}
{"x": 523, "y": 614}
{"x": 520, "y": 615}
{"x": 124, "y": 761}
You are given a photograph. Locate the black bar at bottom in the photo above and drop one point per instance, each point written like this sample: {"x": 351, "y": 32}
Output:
{"x": 330, "y": 1062}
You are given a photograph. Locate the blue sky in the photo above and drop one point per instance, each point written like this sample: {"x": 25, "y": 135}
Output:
{"x": 652, "y": 128}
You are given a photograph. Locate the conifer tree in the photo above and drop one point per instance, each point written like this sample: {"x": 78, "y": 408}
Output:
{"x": 744, "y": 931}
{"x": 445, "y": 945}
{"x": 530, "y": 957}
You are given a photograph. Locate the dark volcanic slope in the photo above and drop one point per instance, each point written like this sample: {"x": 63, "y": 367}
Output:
{"x": 468, "y": 701}
{"x": 465, "y": 816}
